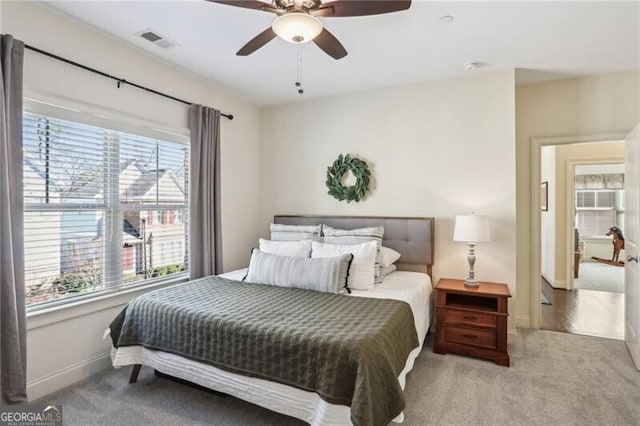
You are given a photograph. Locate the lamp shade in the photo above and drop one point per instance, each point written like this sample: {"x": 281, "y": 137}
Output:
{"x": 297, "y": 27}
{"x": 471, "y": 229}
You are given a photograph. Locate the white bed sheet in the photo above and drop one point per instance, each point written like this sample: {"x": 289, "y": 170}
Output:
{"x": 412, "y": 287}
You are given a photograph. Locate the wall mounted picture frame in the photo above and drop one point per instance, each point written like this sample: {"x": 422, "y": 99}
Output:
{"x": 544, "y": 196}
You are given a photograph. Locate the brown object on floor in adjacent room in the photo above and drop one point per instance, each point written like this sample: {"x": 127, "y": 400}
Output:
{"x": 607, "y": 261}
{"x": 580, "y": 311}
{"x": 617, "y": 241}
{"x": 472, "y": 320}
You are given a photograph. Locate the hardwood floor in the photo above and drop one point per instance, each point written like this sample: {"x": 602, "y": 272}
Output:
{"x": 588, "y": 312}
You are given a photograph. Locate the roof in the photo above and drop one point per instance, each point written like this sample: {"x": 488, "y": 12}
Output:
{"x": 88, "y": 189}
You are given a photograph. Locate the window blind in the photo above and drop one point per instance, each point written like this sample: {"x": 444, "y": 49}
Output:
{"x": 596, "y": 212}
{"x": 103, "y": 208}
{"x": 595, "y": 199}
{"x": 595, "y": 223}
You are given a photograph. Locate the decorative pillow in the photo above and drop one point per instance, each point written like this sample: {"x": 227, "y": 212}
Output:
{"x": 388, "y": 256}
{"x": 328, "y": 275}
{"x": 300, "y": 248}
{"x": 361, "y": 273}
{"x": 281, "y": 232}
{"x": 357, "y": 236}
{"x": 386, "y": 270}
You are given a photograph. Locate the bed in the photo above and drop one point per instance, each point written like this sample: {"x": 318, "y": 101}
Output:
{"x": 412, "y": 237}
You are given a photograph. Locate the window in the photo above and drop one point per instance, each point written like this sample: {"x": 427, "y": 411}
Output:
{"x": 597, "y": 211}
{"x": 157, "y": 217}
{"x": 90, "y": 193}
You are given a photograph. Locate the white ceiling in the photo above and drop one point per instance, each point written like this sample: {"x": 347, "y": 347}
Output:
{"x": 548, "y": 39}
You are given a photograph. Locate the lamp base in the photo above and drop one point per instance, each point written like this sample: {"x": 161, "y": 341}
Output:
{"x": 471, "y": 282}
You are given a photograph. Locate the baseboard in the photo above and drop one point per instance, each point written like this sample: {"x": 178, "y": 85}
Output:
{"x": 512, "y": 333}
{"x": 66, "y": 377}
{"x": 523, "y": 322}
{"x": 560, "y": 284}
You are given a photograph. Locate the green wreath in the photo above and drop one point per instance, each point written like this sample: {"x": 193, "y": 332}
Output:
{"x": 335, "y": 172}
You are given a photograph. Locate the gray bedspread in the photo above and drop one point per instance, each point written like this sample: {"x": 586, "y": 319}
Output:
{"x": 349, "y": 350}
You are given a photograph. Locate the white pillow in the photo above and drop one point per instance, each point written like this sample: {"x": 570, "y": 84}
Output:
{"x": 327, "y": 275}
{"x": 356, "y": 236}
{"x": 300, "y": 248}
{"x": 387, "y": 270}
{"x": 388, "y": 256}
{"x": 280, "y": 232}
{"x": 361, "y": 273}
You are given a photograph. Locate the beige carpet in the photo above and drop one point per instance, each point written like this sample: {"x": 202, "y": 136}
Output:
{"x": 554, "y": 379}
{"x": 600, "y": 276}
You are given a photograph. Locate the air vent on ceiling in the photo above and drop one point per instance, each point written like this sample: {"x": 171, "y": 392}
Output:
{"x": 157, "y": 39}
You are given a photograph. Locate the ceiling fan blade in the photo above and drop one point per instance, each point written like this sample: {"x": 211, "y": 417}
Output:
{"x": 330, "y": 44}
{"x": 257, "y": 42}
{"x": 340, "y": 8}
{"x": 249, "y": 4}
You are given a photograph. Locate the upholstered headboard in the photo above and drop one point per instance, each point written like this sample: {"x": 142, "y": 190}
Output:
{"x": 412, "y": 237}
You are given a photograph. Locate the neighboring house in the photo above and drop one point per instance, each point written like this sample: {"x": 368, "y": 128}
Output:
{"x": 74, "y": 238}
{"x": 162, "y": 229}
{"x": 43, "y": 262}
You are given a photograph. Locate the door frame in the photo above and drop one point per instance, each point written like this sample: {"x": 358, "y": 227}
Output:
{"x": 537, "y": 143}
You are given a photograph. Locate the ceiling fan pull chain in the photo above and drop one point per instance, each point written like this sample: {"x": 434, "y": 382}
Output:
{"x": 299, "y": 74}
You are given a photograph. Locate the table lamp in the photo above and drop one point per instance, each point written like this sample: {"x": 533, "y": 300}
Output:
{"x": 471, "y": 229}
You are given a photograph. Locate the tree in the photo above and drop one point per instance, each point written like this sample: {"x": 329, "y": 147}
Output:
{"x": 67, "y": 168}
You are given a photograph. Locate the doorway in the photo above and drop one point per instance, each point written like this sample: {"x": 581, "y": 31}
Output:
{"x": 598, "y": 199}
{"x": 582, "y": 196}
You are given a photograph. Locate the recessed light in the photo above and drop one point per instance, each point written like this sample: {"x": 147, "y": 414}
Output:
{"x": 471, "y": 66}
{"x": 446, "y": 19}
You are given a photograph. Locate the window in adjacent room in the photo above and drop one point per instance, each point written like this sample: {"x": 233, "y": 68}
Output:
{"x": 597, "y": 211}
{"x": 94, "y": 203}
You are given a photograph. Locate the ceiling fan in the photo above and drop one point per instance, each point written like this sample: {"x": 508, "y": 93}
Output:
{"x": 298, "y": 22}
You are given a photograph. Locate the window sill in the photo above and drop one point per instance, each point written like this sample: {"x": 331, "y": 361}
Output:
{"x": 595, "y": 239}
{"x": 66, "y": 311}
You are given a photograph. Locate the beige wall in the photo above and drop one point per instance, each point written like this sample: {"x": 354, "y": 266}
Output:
{"x": 60, "y": 353}
{"x": 435, "y": 149}
{"x": 584, "y": 106}
{"x": 610, "y": 152}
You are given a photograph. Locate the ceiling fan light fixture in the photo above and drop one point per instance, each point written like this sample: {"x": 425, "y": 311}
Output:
{"x": 297, "y": 27}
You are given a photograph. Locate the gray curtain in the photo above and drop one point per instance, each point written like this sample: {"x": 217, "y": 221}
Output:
{"x": 205, "y": 231}
{"x": 13, "y": 348}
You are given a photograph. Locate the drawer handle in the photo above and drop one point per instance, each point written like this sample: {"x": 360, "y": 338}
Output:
{"x": 470, "y": 317}
{"x": 470, "y": 336}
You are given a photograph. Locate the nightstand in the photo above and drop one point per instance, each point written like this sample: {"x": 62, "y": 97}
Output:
{"x": 472, "y": 320}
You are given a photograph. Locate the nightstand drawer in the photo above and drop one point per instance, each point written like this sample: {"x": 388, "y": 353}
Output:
{"x": 473, "y": 318}
{"x": 470, "y": 336}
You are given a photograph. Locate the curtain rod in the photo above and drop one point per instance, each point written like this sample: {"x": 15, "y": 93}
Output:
{"x": 120, "y": 81}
